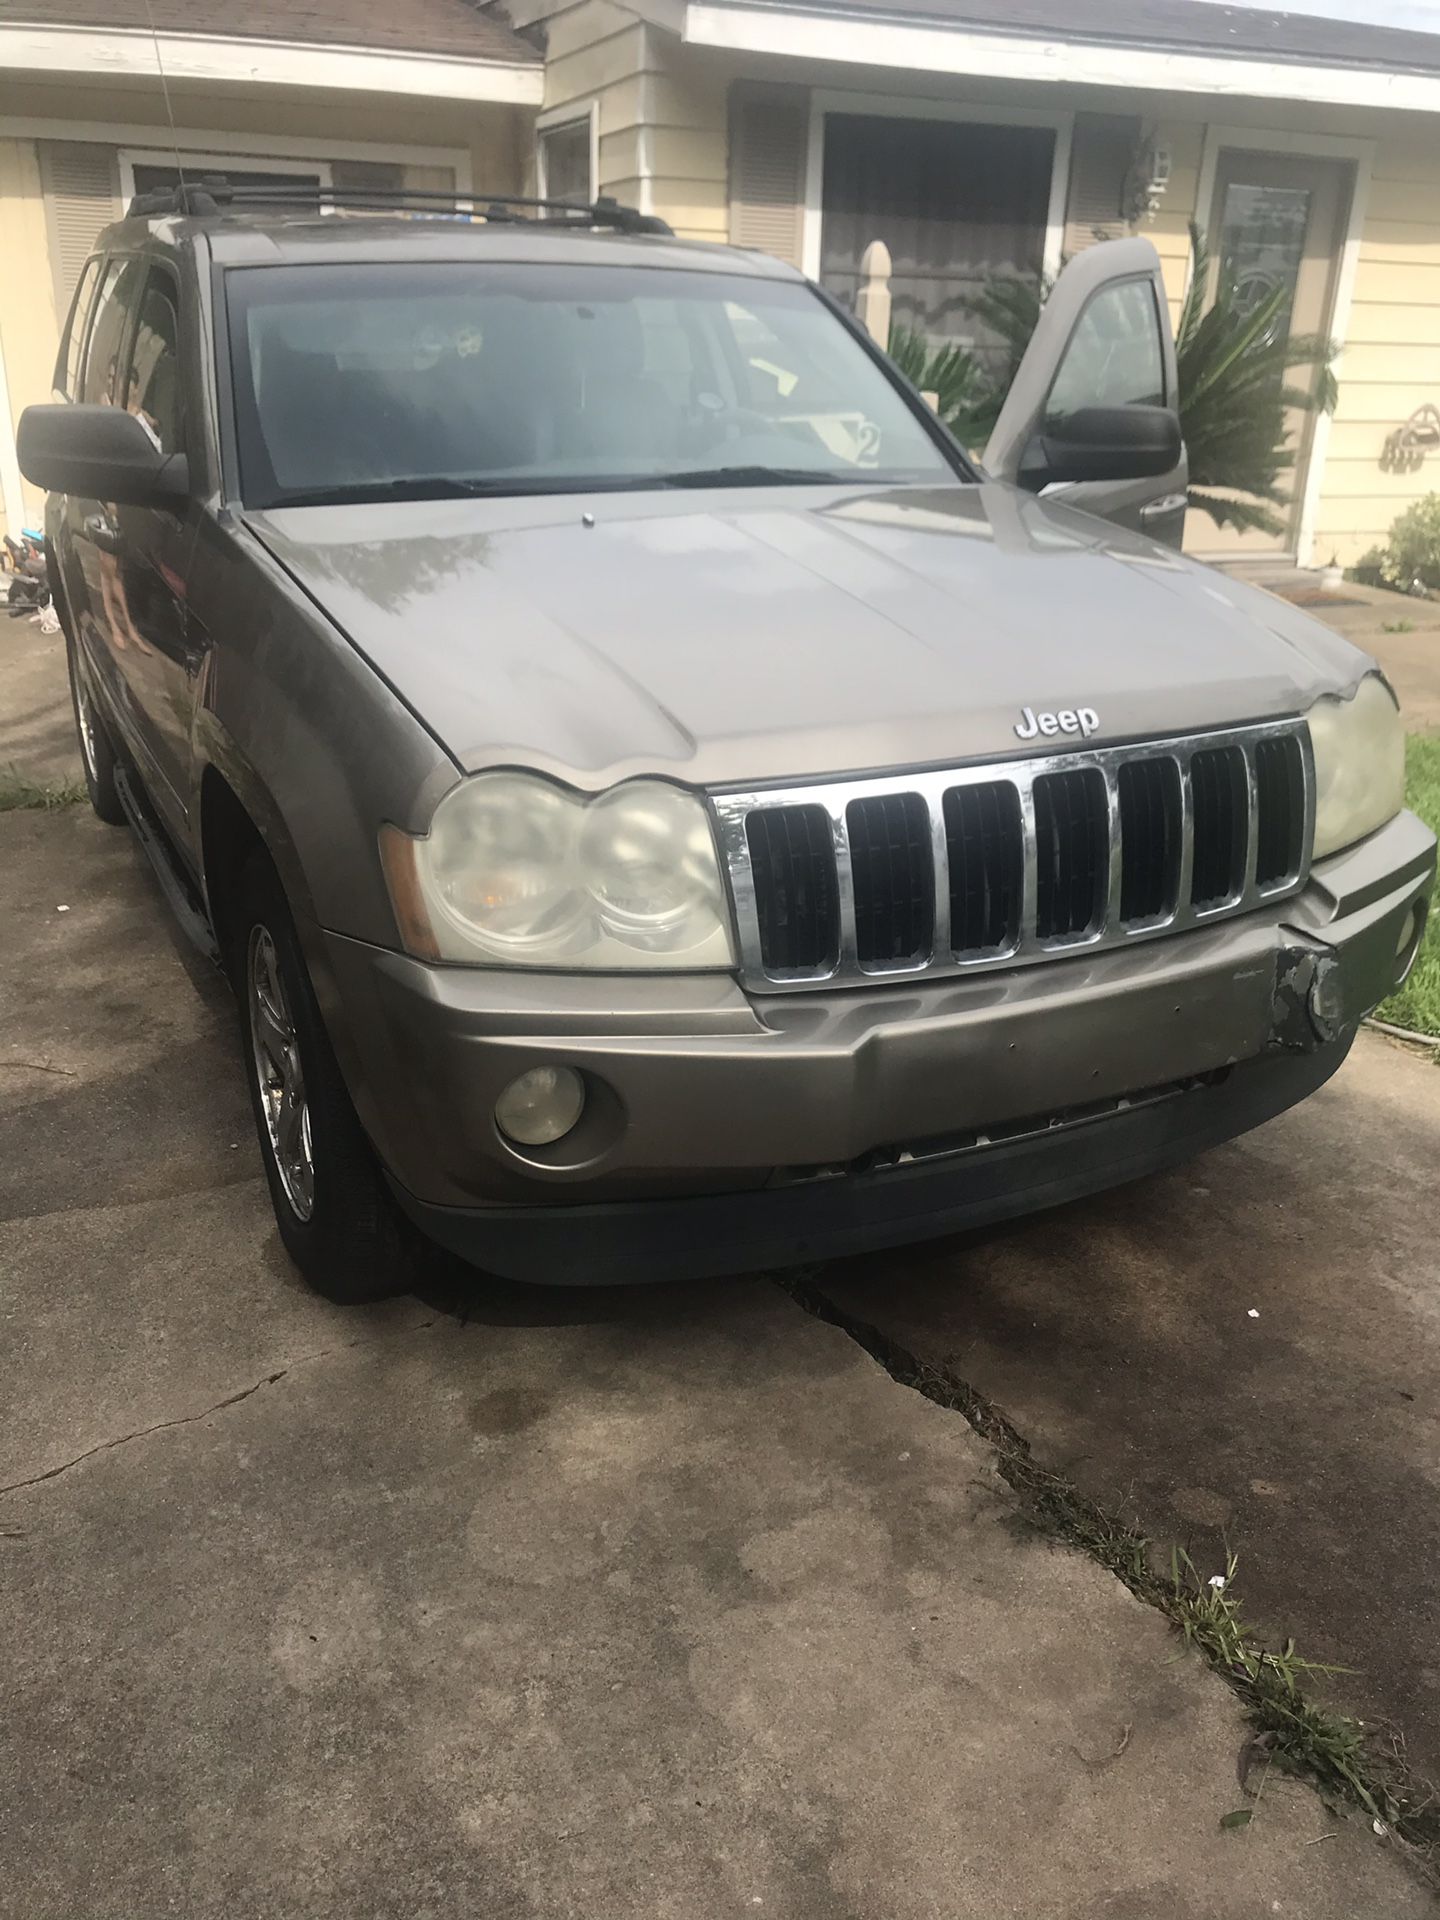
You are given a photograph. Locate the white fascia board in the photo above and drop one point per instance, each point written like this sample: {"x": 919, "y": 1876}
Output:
{"x": 100, "y": 53}
{"x": 1004, "y": 56}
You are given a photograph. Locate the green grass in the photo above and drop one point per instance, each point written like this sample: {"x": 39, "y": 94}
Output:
{"x": 17, "y": 793}
{"x": 1417, "y": 1004}
{"x": 1293, "y": 1730}
{"x": 1397, "y": 626}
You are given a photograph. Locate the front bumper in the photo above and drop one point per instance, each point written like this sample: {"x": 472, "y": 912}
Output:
{"x": 726, "y": 1130}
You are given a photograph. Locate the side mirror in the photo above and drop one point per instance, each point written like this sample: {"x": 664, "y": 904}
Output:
{"x": 98, "y": 453}
{"x": 1103, "y": 443}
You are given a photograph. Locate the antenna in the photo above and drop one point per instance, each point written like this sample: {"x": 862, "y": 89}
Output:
{"x": 169, "y": 109}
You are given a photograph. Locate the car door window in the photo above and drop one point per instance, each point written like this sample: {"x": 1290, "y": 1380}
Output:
{"x": 100, "y": 382}
{"x": 152, "y": 387}
{"x": 67, "y": 362}
{"x": 1114, "y": 357}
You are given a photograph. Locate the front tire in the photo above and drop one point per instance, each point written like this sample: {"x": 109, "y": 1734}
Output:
{"x": 97, "y": 756}
{"x": 337, "y": 1218}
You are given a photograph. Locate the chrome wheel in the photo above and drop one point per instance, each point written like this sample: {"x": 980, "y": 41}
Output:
{"x": 280, "y": 1075}
{"x": 85, "y": 711}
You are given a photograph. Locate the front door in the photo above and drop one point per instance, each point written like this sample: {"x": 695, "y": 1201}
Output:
{"x": 1276, "y": 221}
{"x": 1103, "y": 340}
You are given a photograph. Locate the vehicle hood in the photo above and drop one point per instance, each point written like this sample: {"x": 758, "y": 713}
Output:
{"x": 726, "y": 638}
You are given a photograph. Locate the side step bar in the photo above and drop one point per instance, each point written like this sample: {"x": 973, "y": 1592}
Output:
{"x": 180, "y": 893}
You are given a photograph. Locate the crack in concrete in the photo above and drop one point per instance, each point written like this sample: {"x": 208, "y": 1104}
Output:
{"x": 1055, "y": 1507}
{"x": 189, "y": 1419}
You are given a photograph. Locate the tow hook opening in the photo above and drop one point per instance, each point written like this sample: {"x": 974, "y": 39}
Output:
{"x": 1309, "y": 1000}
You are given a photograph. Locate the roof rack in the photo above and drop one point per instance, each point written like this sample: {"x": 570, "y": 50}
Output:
{"x": 212, "y": 193}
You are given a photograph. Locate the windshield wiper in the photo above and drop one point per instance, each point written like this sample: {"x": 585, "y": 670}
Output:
{"x": 757, "y": 476}
{"x": 440, "y": 486}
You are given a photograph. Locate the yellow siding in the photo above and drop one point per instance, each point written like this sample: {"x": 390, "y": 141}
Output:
{"x": 29, "y": 331}
{"x": 497, "y": 140}
{"x": 662, "y": 111}
{"x": 1170, "y": 229}
{"x": 1391, "y": 363}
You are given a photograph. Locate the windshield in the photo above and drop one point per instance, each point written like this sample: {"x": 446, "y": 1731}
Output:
{"x": 414, "y": 381}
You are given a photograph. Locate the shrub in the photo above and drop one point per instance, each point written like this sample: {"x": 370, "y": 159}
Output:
{"x": 1410, "y": 559}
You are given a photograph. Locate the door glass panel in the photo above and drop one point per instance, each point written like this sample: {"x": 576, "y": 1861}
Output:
{"x": 67, "y": 364}
{"x": 1262, "y": 243}
{"x": 153, "y": 390}
{"x": 100, "y": 385}
{"x": 1114, "y": 357}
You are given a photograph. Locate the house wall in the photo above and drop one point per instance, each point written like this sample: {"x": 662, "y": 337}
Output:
{"x": 663, "y": 118}
{"x": 661, "y": 108}
{"x": 487, "y": 148}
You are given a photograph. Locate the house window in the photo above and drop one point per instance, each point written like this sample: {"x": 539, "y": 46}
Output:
{"x": 565, "y": 170}
{"x": 956, "y": 202}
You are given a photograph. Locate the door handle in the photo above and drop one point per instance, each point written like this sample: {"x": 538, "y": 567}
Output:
{"x": 1166, "y": 504}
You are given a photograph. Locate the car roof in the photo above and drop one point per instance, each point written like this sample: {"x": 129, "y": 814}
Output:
{"x": 271, "y": 238}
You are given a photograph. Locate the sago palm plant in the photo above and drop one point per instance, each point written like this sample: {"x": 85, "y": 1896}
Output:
{"x": 1234, "y": 394}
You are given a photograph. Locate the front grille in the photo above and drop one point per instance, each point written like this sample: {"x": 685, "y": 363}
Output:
{"x": 796, "y": 895}
{"x": 945, "y": 872}
{"x": 985, "y": 848}
{"x": 893, "y": 869}
{"x": 1280, "y": 802}
{"x": 1217, "y": 781}
{"x": 1152, "y": 812}
{"x": 1072, "y": 860}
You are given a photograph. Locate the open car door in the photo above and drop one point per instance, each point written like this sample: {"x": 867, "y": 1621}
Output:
{"x": 1093, "y": 412}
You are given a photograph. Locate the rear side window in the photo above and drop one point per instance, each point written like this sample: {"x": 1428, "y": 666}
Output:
{"x": 67, "y": 364}
{"x": 152, "y": 391}
{"x": 100, "y": 381}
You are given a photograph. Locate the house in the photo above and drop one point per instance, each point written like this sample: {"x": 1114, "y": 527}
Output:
{"x": 424, "y": 93}
{"x": 1000, "y": 136}
{"x": 975, "y": 137}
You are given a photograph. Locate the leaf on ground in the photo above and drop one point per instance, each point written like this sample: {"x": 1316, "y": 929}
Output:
{"x": 1241, "y": 1817}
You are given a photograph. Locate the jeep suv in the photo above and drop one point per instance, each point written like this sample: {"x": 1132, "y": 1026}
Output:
{"x": 662, "y": 807}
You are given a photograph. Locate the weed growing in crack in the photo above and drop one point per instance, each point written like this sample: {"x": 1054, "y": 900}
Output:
{"x": 18, "y": 794}
{"x": 1294, "y": 1733}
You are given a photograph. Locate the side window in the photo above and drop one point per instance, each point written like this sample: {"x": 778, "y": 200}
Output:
{"x": 1114, "y": 357}
{"x": 152, "y": 388}
{"x": 67, "y": 363}
{"x": 100, "y": 380}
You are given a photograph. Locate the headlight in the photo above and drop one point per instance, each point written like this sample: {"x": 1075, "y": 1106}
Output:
{"x": 1359, "y": 764}
{"x": 518, "y": 872}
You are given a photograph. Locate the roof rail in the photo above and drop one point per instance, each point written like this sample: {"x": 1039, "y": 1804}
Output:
{"x": 212, "y": 193}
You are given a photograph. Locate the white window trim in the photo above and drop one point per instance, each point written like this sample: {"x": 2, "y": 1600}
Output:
{"x": 559, "y": 120}
{"x": 903, "y": 107}
{"x": 128, "y": 158}
{"x": 1050, "y": 58}
{"x": 200, "y": 56}
{"x": 1321, "y": 147}
{"x": 251, "y": 147}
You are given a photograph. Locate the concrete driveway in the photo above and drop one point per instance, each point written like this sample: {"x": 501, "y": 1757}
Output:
{"x": 666, "y": 1602}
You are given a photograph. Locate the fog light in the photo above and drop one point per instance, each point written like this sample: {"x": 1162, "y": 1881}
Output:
{"x": 1407, "y": 947}
{"x": 541, "y": 1106}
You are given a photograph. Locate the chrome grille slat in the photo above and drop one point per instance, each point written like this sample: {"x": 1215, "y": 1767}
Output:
{"x": 1273, "y": 787}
